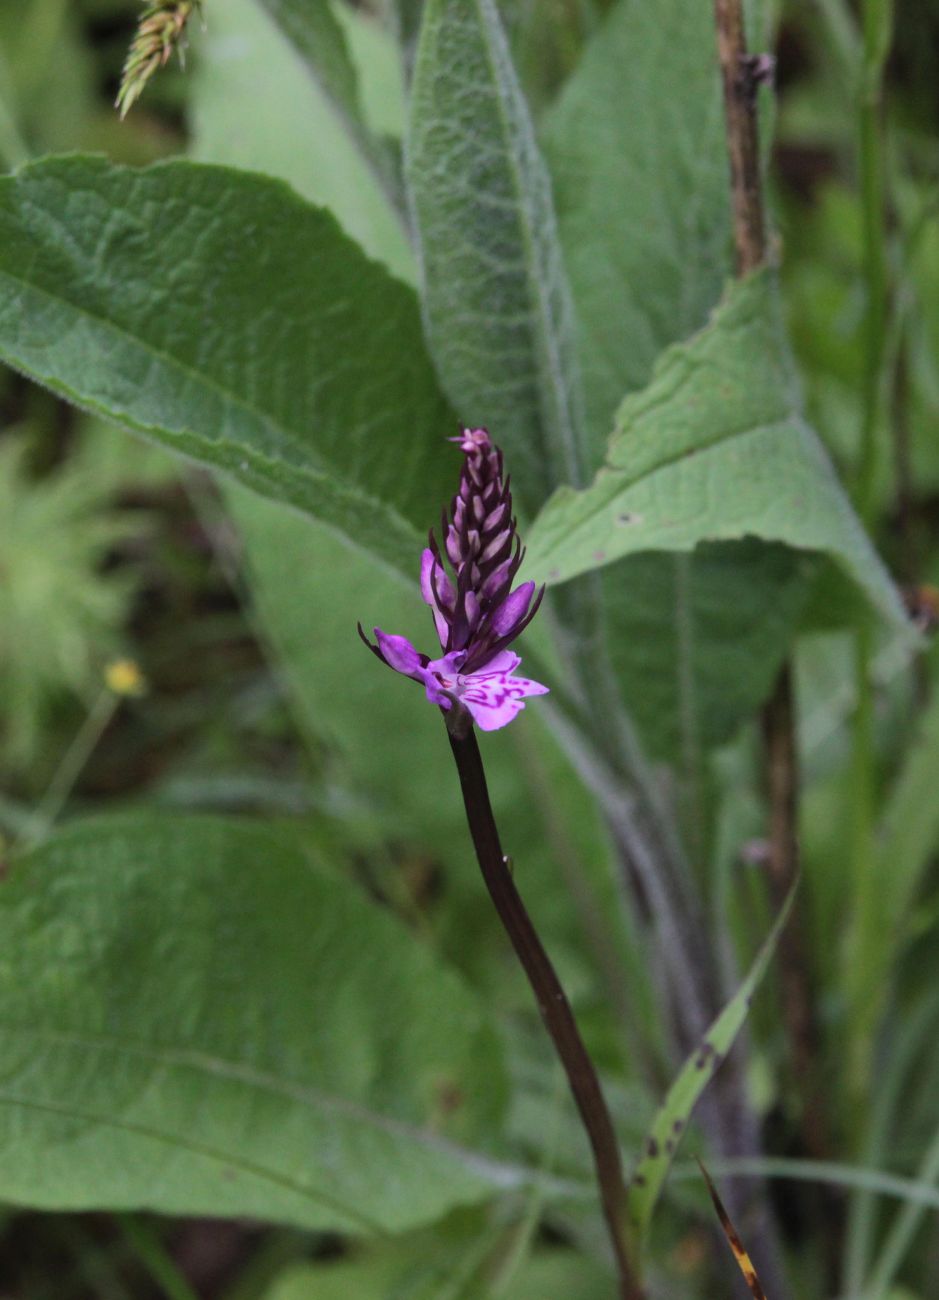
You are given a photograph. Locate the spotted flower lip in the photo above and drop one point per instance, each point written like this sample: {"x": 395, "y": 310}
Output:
{"x": 467, "y": 582}
{"x": 492, "y": 695}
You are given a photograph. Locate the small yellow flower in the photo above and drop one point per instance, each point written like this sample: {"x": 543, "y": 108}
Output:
{"x": 123, "y": 677}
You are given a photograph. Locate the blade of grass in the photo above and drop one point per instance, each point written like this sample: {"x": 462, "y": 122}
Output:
{"x": 911, "y": 1033}
{"x": 856, "y": 1177}
{"x": 672, "y": 1117}
{"x": 903, "y": 1229}
{"x": 153, "y": 1255}
{"x": 877, "y": 32}
{"x": 744, "y": 1262}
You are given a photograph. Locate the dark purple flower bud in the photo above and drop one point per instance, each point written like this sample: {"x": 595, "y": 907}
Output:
{"x": 476, "y": 612}
{"x": 513, "y": 609}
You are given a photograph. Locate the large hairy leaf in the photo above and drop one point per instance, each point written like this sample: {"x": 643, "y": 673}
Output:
{"x": 646, "y": 239}
{"x": 714, "y": 449}
{"x": 697, "y": 638}
{"x": 320, "y": 41}
{"x": 495, "y": 294}
{"x": 429, "y": 1271}
{"x": 217, "y": 312}
{"x": 647, "y": 246}
{"x": 253, "y": 104}
{"x": 200, "y": 1018}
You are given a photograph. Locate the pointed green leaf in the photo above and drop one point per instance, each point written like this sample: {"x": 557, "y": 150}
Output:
{"x": 200, "y": 1018}
{"x": 714, "y": 449}
{"x": 495, "y": 292}
{"x": 671, "y": 1119}
{"x": 647, "y": 246}
{"x": 905, "y": 848}
{"x": 697, "y": 638}
{"x": 318, "y": 37}
{"x": 253, "y": 104}
{"x": 218, "y": 313}
{"x": 646, "y": 238}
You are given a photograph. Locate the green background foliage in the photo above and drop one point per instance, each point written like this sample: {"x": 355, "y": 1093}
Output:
{"x": 273, "y": 987}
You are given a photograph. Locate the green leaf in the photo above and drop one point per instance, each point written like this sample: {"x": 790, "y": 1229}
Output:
{"x": 647, "y": 245}
{"x": 714, "y": 449}
{"x": 697, "y": 639}
{"x": 909, "y": 835}
{"x": 218, "y": 313}
{"x": 495, "y": 293}
{"x": 310, "y": 590}
{"x": 319, "y": 39}
{"x": 200, "y": 1018}
{"x": 433, "y": 1264}
{"x": 905, "y": 848}
{"x": 421, "y": 1272}
{"x": 254, "y": 105}
{"x": 646, "y": 239}
{"x": 671, "y": 1119}
{"x": 382, "y": 750}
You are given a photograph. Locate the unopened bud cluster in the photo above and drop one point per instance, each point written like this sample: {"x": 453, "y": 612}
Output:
{"x": 476, "y": 610}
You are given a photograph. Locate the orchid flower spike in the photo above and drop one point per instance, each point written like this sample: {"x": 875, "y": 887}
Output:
{"x": 468, "y": 585}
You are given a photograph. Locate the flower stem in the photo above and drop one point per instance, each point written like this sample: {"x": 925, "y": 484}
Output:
{"x": 76, "y": 756}
{"x": 551, "y": 998}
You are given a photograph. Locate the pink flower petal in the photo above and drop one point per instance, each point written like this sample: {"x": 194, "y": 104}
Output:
{"x": 494, "y": 698}
{"x": 427, "y": 568}
{"x": 525, "y": 686}
{"x": 496, "y": 578}
{"x": 506, "y": 661}
{"x": 443, "y": 628}
{"x": 398, "y": 653}
{"x": 448, "y": 665}
{"x": 441, "y": 677}
{"x": 490, "y": 717}
{"x": 435, "y": 692}
{"x": 433, "y": 575}
{"x": 513, "y": 608}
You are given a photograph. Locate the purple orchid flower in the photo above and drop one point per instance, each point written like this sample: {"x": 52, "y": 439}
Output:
{"x": 476, "y": 613}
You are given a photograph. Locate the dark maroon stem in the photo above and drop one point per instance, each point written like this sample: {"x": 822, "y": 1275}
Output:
{"x": 551, "y": 998}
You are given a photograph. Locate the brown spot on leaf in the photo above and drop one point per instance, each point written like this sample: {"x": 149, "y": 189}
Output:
{"x": 705, "y": 1054}
{"x": 652, "y": 1148}
{"x": 449, "y": 1096}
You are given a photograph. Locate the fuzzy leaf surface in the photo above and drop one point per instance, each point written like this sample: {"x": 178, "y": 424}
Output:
{"x": 713, "y": 449}
{"x": 647, "y": 246}
{"x": 697, "y": 638}
{"x": 253, "y": 104}
{"x": 320, "y": 41}
{"x": 220, "y": 314}
{"x": 647, "y": 240}
{"x": 495, "y": 292}
{"x": 201, "y": 1018}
